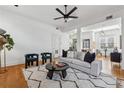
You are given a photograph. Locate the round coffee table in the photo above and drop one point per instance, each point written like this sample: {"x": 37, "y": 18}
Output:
{"x": 51, "y": 69}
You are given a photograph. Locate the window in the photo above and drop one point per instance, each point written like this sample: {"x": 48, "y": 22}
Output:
{"x": 107, "y": 42}
{"x": 103, "y": 43}
{"x": 110, "y": 42}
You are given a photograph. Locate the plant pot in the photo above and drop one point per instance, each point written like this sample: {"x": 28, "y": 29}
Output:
{"x": 2, "y": 41}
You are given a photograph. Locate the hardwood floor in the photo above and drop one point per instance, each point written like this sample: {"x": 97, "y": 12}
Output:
{"x": 114, "y": 69}
{"x": 111, "y": 68}
{"x": 14, "y": 77}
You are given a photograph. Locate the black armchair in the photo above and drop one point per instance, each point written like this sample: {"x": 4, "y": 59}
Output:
{"x": 30, "y": 58}
{"x": 115, "y": 57}
{"x": 46, "y": 56}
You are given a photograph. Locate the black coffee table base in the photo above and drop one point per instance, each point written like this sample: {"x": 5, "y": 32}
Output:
{"x": 50, "y": 74}
{"x": 62, "y": 70}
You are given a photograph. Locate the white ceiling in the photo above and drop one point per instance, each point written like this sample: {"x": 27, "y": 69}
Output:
{"x": 114, "y": 23}
{"x": 46, "y": 13}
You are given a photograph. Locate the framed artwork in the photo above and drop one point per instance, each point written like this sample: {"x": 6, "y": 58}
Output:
{"x": 86, "y": 44}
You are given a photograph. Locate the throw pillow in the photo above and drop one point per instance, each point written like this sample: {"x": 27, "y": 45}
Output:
{"x": 93, "y": 56}
{"x": 88, "y": 57}
{"x": 75, "y": 54}
{"x": 64, "y": 53}
{"x": 70, "y": 54}
{"x": 80, "y": 55}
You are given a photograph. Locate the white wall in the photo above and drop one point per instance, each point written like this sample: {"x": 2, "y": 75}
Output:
{"x": 122, "y": 28}
{"x": 56, "y": 45}
{"x": 29, "y": 35}
{"x": 79, "y": 39}
{"x": 65, "y": 41}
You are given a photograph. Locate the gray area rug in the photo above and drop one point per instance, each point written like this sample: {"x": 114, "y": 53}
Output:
{"x": 36, "y": 77}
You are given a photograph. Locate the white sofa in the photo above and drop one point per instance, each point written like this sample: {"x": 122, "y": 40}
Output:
{"x": 93, "y": 68}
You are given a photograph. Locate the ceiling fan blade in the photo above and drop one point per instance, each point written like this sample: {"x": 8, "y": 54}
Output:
{"x": 72, "y": 11}
{"x": 57, "y": 9}
{"x": 58, "y": 18}
{"x": 72, "y": 17}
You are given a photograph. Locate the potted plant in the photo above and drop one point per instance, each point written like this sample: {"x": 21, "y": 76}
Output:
{"x": 6, "y": 40}
{"x": 2, "y": 41}
{"x": 9, "y": 41}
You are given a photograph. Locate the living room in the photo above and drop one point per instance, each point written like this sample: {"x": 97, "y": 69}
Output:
{"x": 35, "y": 31}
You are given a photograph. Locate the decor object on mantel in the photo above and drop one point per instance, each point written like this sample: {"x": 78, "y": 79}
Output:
{"x": 66, "y": 15}
{"x": 5, "y": 42}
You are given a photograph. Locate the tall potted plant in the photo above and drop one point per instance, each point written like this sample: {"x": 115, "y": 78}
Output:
{"x": 6, "y": 41}
{"x": 9, "y": 41}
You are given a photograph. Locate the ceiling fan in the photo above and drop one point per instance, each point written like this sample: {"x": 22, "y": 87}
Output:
{"x": 66, "y": 15}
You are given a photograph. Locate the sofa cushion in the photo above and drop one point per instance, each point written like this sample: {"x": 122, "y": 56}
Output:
{"x": 64, "y": 53}
{"x": 80, "y": 68}
{"x": 75, "y": 54}
{"x": 70, "y": 54}
{"x": 81, "y": 63}
{"x": 65, "y": 59}
{"x": 80, "y": 55}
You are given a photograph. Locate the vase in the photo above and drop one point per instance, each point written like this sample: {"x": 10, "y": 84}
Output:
{"x": 2, "y": 63}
